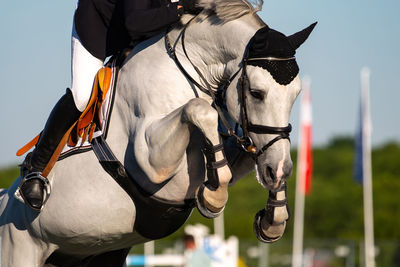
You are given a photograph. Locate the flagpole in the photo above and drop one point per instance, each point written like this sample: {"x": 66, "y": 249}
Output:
{"x": 219, "y": 226}
{"x": 369, "y": 245}
{"x": 297, "y": 253}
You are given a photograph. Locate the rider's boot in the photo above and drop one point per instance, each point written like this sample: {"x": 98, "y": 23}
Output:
{"x": 61, "y": 118}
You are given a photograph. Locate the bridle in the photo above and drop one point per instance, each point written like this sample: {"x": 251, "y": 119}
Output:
{"x": 247, "y": 126}
{"x": 245, "y": 140}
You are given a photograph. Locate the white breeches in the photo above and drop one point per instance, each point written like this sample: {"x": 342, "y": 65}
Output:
{"x": 84, "y": 67}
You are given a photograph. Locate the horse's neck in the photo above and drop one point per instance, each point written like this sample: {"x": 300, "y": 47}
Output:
{"x": 217, "y": 49}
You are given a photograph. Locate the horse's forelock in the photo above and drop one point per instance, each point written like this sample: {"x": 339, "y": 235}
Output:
{"x": 228, "y": 10}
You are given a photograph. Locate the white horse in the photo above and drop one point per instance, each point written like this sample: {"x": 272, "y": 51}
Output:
{"x": 162, "y": 125}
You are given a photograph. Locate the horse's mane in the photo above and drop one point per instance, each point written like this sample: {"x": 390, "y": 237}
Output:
{"x": 227, "y": 10}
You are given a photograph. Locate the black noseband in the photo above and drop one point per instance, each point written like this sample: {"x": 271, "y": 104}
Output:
{"x": 283, "y": 133}
{"x": 263, "y": 129}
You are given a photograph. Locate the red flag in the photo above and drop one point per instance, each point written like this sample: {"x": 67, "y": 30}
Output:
{"x": 305, "y": 142}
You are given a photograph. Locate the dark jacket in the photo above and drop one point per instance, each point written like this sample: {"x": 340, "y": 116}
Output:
{"x": 107, "y": 26}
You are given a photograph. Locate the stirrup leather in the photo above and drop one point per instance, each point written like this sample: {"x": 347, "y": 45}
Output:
{"x": 46, "y": 190}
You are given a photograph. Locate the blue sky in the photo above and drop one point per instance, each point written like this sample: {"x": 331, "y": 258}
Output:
{"x": 35, "y": 53}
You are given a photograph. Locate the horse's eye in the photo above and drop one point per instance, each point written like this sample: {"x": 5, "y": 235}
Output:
{"x": 257, "y": 94}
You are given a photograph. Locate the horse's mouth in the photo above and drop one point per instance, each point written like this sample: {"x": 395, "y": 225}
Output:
{"x": 276, "y": 181}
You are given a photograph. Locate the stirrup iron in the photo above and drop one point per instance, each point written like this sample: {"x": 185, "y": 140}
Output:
{"x": 46, "y": 189}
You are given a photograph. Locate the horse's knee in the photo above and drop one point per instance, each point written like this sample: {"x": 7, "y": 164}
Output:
{"x": 199, "y": 112}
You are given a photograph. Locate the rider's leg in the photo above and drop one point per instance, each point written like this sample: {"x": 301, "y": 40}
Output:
{"x": 63, "y": 115}
{"x": 84, "y": 67}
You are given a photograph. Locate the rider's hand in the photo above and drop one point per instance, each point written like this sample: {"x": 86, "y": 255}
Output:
{"x": 189, "y": 6}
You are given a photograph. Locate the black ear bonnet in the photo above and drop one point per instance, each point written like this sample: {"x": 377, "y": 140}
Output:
{"x": 274, "y": 52}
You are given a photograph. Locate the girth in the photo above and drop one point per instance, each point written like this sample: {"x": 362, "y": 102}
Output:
{"x": 155, "y": 218}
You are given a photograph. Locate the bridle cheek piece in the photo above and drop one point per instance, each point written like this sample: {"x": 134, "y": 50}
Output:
{"x": 246, "y": 141}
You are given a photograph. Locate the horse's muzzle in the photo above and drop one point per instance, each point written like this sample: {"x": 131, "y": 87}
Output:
{"x": 271, "y": 177}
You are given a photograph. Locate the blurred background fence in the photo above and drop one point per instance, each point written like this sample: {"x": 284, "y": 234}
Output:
{"x": 317, "y": 252}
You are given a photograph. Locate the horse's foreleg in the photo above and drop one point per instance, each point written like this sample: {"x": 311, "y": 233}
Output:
{"x": 270, "y": 223}
{"x": 213, "y": 195}
{"x": 167, "y": 142}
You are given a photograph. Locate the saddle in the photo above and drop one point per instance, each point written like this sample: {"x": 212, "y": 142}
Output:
{"x": 91, "y": 122}
{"x": 92, "y": 118}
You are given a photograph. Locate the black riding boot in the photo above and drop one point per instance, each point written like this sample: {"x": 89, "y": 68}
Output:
{"x": 61, "y": 118}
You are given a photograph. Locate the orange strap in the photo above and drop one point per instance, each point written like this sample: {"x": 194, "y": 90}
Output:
{"x": 87, "y": 123}
{"x": 84, "y": 125}
{"x": 105, "y": 76}
{"x": 28, "y": 146}
{"x": 57, "y": 152}
{"x": 106, "y": 80}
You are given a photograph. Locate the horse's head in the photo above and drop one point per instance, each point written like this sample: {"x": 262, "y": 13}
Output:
{"x": 262, "y": 100}
{"x": 233, "y": 49}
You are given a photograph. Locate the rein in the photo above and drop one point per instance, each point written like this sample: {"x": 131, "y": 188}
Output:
{"x": 245, "y": 141}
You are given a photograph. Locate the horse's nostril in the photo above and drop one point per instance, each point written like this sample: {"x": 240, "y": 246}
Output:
{"x": 271, "y": 173}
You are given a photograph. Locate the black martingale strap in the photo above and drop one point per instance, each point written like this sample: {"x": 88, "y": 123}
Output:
{"x": 155, "y": 218}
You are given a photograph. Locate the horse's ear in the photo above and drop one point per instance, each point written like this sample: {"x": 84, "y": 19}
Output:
{"x": 297, "y": 39}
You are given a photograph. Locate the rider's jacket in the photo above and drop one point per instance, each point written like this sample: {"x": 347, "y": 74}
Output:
{"x": 107, "y": 26}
